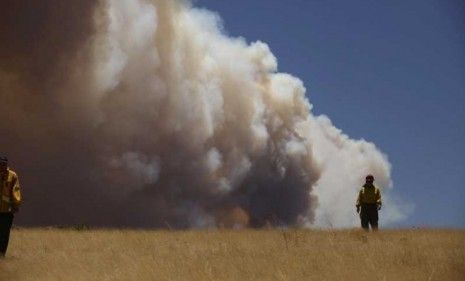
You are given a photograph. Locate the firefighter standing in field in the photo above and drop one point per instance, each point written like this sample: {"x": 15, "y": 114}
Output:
{"x": 369, "y": 203}
{"x": 9, "y": 202}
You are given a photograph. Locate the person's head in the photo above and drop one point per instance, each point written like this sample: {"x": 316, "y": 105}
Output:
{"x": 369, "y": 179}
{"x": 3, "y": 164}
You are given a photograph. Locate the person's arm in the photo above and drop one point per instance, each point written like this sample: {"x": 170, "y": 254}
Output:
{"x": 359, "y": 199}
{"x": 15, "y": 195}
{"x": 378, "y": 198}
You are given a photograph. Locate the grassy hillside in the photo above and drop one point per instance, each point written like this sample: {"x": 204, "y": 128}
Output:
{"x": 57, "y": 254}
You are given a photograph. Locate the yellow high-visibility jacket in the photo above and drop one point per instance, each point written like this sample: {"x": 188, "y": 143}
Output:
{"x": 369, "y": 195}
{"x": 10, "y": 192}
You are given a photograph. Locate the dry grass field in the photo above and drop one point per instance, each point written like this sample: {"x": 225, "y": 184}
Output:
{"x": 59, "y": 254}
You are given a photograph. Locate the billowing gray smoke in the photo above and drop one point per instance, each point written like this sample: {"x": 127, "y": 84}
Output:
{"x": 143, "y": 113}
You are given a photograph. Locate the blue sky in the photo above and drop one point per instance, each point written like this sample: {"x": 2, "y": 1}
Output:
{"x": 391, "y": 72}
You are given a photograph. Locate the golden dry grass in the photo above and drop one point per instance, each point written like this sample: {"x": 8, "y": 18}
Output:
{"x": 57, "y": 254}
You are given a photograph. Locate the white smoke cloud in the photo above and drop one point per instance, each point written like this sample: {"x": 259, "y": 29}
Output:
{"x": 186, "y": 123}
{"x": 226, "y": 101}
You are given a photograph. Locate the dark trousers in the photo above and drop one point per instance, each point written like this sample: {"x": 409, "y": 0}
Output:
{"x": 6, "y": 220}
{"x": 369, "y": 216}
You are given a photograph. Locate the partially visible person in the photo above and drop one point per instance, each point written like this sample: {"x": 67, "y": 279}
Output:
{"x": 9, "y": 202}
{"x": 369, "y": 203}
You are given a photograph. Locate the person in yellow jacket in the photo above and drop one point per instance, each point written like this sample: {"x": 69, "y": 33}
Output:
{"x": 9, "y": 202}
{"x": 369, "y": 203}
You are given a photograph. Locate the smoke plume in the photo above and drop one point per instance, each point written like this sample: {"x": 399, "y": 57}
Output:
{"x": 145, "y": 114}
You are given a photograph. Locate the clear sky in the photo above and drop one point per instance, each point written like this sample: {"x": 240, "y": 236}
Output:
{"x": 391, "y": 72}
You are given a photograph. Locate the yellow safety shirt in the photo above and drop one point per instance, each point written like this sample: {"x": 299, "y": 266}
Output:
{"x": 369, "y": 195}
{"x": 10, "y": 192}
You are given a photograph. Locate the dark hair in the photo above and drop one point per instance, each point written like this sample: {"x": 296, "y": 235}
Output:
{"x": 369, "y": 177}
{"x": 3, "y": 160}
